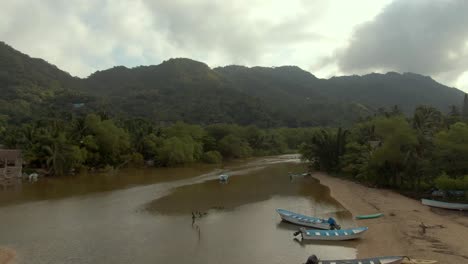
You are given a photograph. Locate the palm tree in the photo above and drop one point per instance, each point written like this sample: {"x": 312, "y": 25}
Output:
{"x": 60, "y": 155}
{"x": 325, "y": 148}
{"x": 427, "y": 120}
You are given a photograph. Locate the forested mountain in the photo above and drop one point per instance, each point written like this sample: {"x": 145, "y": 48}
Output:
{"x": 31, "y": 87}
{"x": 406, "y": 90}
{"x": 190, "y": 91}
{"x": 178, "y": 89}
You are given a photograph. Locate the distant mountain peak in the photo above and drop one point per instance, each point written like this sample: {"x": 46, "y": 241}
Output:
{"x": 185, "y": 62}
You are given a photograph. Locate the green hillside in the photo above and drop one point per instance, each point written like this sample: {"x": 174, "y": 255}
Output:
{"x": 187, "y": 90}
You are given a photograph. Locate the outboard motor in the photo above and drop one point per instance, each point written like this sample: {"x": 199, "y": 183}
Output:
{"x": 333, "y": 225}
{"x": 312, "y": 260}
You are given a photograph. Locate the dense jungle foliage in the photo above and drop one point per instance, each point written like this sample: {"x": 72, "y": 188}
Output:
{"x": 418, "y": 153}
{"x": 61, "y": 146}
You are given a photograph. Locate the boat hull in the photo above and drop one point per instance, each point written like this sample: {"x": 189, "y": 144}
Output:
{"x": 382, "y": 260}
{"x": 333, "y": 235}
{"x": 444, "y": 205}
{"x": 371, "y": 216}
{"x": 303, "y": 220}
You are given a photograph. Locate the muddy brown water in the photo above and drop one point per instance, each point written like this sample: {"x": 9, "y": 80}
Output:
{"x": 145, "y": 216}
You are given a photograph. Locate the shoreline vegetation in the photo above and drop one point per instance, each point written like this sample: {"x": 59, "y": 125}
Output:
{"x": 57, "y": 147}
{"x": 415, "y": 156}
{"x": 407, "y": 227}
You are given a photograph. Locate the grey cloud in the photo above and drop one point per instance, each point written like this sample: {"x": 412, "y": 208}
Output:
{"x": 82, "y": 36}
{"x": 428, "y": 37}
{"x": 230, "y": 28}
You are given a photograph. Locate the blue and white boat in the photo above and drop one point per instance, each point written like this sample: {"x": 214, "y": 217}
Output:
{"x": 444, "y": 205}
{"x": 304, "y": 220}
{"x": 344, "y": 234}
{"x": 375, "y": 260}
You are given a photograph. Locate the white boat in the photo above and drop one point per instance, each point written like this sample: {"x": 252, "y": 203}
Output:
{"x": 344, "y": 234}
{"x": 303, "y": 220}
{"x": 376, "y": 260}
{"x": 444, "y": 205}
{"x": 223, "y": 177}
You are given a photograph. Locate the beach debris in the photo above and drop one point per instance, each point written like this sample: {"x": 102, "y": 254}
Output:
{"x": 197, "y": 214}
{"x": 33, "y": 177}
{"x": 424, "y": 227}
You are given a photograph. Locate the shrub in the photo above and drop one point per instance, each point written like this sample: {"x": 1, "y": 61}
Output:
{"x": 444, "y": 182}
{"x": 212, "y": 157}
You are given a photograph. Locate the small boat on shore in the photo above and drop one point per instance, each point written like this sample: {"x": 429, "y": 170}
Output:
{"x": 344, "y": 234}
{"x": 444, "y": 205}
{"x": 375, "y": 260}
{"x": 307, "y": 221}
{"x": 370, "y": 216}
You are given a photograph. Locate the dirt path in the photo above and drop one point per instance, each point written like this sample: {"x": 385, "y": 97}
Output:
{"x": 399, "y": 232}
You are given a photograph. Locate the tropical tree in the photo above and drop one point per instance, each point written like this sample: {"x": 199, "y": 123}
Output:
{"x": 232, "y": 146}
{"x": 62, "y": 156}
{"x": 177, "y": 151}
{"x": 427, "y": 120}
{"x": 397, "y": 137}
{"x": 451, "y": 149}
{"x": 325, "y": 148}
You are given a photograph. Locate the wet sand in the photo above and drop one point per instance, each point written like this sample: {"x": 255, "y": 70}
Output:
{"x": 7, "y": 256}
{"x": 399, "y": 231}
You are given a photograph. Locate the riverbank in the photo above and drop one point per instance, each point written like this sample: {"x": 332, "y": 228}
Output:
{"x": 7, "y": 256}
{"x": 399, "y": 232}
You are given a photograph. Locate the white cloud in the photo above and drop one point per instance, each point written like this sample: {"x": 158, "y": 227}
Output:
{"x": 81, "y": 36}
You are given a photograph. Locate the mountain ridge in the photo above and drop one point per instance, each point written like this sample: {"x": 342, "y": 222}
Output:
{"x": 182, "y": 89}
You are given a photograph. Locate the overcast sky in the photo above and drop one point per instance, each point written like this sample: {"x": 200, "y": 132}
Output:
{"x": 325, "y": 37}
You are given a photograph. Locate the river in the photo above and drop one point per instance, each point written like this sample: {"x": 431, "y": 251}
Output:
{"x": 145, "y": 216}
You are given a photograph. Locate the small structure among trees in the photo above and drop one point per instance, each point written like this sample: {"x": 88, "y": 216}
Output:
{"x": 11, "y": 167}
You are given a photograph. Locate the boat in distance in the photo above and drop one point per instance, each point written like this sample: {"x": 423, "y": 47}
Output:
{"x": 338, "y": 235}
{"x": 308, "y": 221}
{"x": 444, "y": 205}
{"x": 223, "y": 177}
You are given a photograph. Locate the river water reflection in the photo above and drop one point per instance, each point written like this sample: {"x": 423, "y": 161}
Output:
{"x": 145, "y": 216}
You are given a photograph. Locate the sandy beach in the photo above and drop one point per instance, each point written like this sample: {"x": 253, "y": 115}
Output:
{"x": 7, "y": 256}
{"x": 399, "y": 231}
